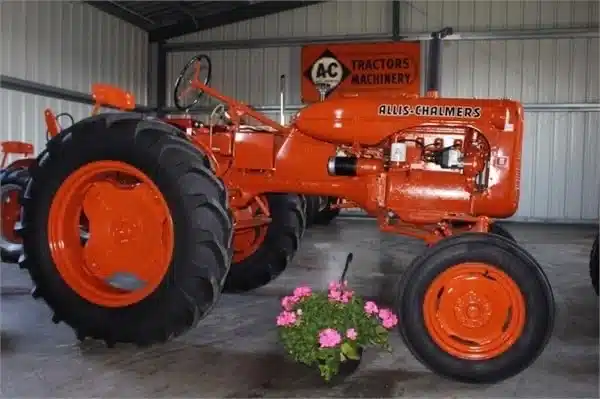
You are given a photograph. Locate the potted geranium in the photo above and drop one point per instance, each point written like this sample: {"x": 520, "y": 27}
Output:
{"x": 329, "y": 331}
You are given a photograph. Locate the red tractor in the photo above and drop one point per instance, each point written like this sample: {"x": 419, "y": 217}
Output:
{"x": 133, "y": 226}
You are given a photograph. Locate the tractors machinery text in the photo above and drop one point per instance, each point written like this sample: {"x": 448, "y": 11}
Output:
{"x": 132, "y": 226}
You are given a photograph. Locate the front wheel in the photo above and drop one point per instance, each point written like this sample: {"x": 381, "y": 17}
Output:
{"x": 156, "y": 256}
{"x": 476, "y": 308}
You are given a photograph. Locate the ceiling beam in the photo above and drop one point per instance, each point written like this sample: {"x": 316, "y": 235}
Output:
{"x": 117, "y": 10}
{"x": 241, "y": 13}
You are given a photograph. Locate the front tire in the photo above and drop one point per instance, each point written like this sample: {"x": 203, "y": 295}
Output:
{"x": 276, "y": 251}
{"x": 201, "y": 231}
{"x": 493, "y": 295}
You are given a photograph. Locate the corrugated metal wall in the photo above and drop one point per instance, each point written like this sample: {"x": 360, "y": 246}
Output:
{"x": 561, "y": 175}
{"x": 69, "y": 45}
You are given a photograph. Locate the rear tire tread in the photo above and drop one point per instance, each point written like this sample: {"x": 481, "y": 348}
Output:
{"x": 193, "y": 282}
{"x": 281, "y": 243}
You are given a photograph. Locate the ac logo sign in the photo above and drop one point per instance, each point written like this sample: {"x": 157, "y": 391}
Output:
{"x": 328, "y": 71}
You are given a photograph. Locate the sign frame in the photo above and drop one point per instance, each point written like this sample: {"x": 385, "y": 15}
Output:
{"x": 360, "y": 68}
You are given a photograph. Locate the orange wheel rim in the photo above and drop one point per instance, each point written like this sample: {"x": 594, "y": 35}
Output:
{"x": 251, "y": 229}
{"x": 131, "y": 233}
{"x": 474, "y": 311}
{"x": 11, "y": 212}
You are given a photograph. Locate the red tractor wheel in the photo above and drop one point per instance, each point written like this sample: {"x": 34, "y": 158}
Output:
{"x": 273, "y": 247}
{"x": 12, "y": 185}
{"x": 155, "y": 253}
{"x": 476, "y": 308}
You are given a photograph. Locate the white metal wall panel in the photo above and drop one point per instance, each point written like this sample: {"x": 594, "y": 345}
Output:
{"x": 533, "y": 71}
{"x": 22, "y": 116}
{"x": 560, "y": 175}
{"x": 328, "y": 18}
{"x": 69, "y": 45}
{"x": 484, "y": 15}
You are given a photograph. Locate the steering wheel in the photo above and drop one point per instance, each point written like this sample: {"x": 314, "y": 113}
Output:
{"x": 185, "y": 94}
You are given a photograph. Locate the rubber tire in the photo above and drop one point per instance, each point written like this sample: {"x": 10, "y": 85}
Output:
{"x": 515, "y": 262}
{"x": 277, "y": 250}
{"x": 495, "y": 228}
{"x": 500, "y": 230}
{"x": 198, "y": 204}
{"x": 18, "y": 177}
{"x": 312, "y": 209}
{"x": 326, "y": 216}
{"x": 594, "y": 265}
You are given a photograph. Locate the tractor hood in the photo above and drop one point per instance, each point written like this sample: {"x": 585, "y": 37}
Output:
{"x": 369, "y": 119}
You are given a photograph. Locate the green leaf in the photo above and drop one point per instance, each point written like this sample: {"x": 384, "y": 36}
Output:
{"x": 350, "y": 351}
{"x": 380, "y": 330}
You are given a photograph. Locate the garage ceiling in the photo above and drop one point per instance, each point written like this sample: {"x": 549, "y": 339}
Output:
{"x": 164, "y": 20}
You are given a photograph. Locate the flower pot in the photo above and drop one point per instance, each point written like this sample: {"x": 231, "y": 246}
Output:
{"x": 346, "y": 369}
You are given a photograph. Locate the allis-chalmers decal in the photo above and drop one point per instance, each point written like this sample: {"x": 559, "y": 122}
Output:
{"x": 356, "y": 68}
{"x": 443, "y": 111}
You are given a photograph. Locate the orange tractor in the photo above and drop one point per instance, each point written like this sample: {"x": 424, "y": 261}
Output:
{"x": 133, "y": 226}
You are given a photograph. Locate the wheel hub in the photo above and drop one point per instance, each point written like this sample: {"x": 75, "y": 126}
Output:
{"x": 474, "y": 311}
{"x": 125, "y": 229}
{"x": 130, "y": 242}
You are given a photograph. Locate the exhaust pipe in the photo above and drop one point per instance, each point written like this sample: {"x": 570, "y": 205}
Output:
{"x": 433, "y": 67}
{"x": 282, "y": 100}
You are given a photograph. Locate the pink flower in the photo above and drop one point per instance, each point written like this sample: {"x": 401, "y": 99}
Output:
{"x": 286, "y": 319}
{"x": 302, "y": 292}
{"x": 335, "y": 295}
{"x": 288, "y": 302}
{"x": 371, "y": 307}
{"x": 390, "y": 321}
{"x": 329, "y": 338}
{"x": 385, "y": 313}
{"x": 351, "y": 334}
{"x": 346, "y": 296}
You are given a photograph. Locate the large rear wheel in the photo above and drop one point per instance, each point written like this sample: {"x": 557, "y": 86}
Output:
{"x": 12, "y": 184}
{"x": 476, "y": 308}
{"x": 155, "y": 257}
{"x": 273, "y": 245}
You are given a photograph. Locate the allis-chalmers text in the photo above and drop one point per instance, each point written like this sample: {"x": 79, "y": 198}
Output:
{"x": 444, "y": 111}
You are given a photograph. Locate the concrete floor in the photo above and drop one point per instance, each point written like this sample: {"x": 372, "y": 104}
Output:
{"x": 235, "y": 353}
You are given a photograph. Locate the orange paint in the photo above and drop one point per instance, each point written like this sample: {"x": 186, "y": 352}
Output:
{"x": 478, "y": 303}
{"x": 108, "y": 95}
{"x": 131, "y": 232}
{"x": 413, "y": 196}
{"x": 51, "y": 123}
{"x": 16, "y": 148}
{"x": 360, "y": 68}
{"x": 10, "y": 211}
{"x": 251, "y": 225}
